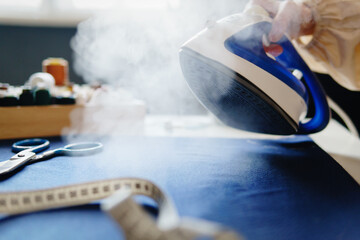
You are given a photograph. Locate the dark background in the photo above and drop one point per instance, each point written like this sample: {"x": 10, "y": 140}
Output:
{"x": 22, "y": 50}
{"x": 346, "y": 99}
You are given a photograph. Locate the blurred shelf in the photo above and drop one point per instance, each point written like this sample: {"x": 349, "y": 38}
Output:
{"x": 57, "y": 120}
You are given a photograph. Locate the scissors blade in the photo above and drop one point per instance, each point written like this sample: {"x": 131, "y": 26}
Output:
{"x": 16, "y": 161}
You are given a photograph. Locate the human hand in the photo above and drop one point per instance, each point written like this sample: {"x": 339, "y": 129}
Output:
{"x": 290, "y": 18}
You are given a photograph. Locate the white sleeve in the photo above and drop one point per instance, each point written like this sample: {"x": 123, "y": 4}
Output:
{"x": 335, "y": 45}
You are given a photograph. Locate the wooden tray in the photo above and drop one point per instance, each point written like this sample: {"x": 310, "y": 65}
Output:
{"x": 56, "y": 120}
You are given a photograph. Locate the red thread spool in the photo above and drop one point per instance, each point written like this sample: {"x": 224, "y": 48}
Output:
{"x": 59, "y": 68}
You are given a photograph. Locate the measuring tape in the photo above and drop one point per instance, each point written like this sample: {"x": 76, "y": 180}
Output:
{"x": 120, "y": 205}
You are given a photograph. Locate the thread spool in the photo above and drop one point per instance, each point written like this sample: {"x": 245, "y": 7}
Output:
{"x": 26, "y": 97}
{"x": 58, "y": 68}
{"x": 46, "y": 80}
{"x": 4, "y": 86}
{"x": 9, "y": 100}
{"x": 8, "y": 96}
{"x": 42, "y": 95}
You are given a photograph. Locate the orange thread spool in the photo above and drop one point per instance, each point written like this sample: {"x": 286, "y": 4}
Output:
{"x": 59, "y": 68}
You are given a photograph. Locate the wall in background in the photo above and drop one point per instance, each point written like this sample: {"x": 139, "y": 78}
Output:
{"x": 23, "y": 48}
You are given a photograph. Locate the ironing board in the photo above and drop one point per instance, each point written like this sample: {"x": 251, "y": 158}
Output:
{"x": 287, "y": 188}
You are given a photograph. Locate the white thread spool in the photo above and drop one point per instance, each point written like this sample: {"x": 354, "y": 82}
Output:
{"x": 45, "y": 80}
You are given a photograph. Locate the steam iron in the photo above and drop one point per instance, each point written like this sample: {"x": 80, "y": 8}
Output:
{"x": 228, "y": 70}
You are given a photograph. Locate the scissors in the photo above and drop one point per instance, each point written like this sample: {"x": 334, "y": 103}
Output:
{"x": 26, "y": 152}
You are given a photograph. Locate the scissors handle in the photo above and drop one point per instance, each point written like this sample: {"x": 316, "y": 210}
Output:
{"x": 32, "y": 145}
{"x": 80, "y": 149}
{"x": 27, "y": 148}
{"x": 74, "y": 149}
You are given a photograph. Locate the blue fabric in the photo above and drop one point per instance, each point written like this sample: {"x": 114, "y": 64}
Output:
{"x": 264, "y": 189}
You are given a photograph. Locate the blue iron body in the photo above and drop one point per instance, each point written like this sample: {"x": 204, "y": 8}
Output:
{"x": 237, "y": 101}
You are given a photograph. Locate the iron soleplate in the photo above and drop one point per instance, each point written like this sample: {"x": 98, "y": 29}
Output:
{"x": 232, "y": 98}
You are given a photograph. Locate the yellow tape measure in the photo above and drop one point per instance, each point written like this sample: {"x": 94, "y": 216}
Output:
{"x": 119, "y": 204}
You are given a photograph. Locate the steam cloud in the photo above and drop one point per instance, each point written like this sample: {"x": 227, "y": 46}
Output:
{"x": 137, "y": 48}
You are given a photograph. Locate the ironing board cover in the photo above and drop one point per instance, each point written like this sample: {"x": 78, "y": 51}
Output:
{"x": 264, "y": 189}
